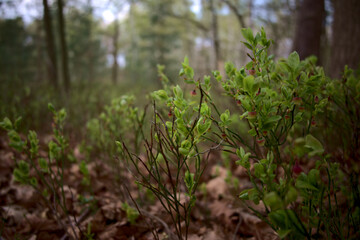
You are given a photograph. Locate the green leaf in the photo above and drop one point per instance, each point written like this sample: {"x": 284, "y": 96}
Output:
{"x": 33, "y": 182}
{"x": 160, "y": 95}
{"x": 271, "y": 122}
{"x": 24, "y": 167}
{"x": 184, "y": 151}
{"x": 62, "y": 114}
{"x": 244, "y": 194}
{"x": 291, "y": 195}
{"x": 15, "y": 141}
{"x": 279, "y": 218}
{"x": 54, "y": 150}
{"x": 34, "y": 142}
{"x": 119, "y": 145}
{"x": 244, "y": 158}
{"x": 248, "y": 34}
{"x": 258, "y": 169}
{"x": 178, "y": 113}
{"x": 189, "y": 181}
{"x": 257, "y": 39}
{"x": 185, "y": 147}
{"x": 249, "y": 82}
{"x": 298, "y": 116}
{"x": 294, "y": 60}
{"x": 224, "y": 117}
{"x": 273, "y": 200}
{"x": 229, "y": 68}
{"x": 304, "y": 185}
{"x": 314, "y": 144}
{"x": 254, "y": 196}
{"x": 178, "y": 92}
{"x": 313, "y": 176}
{"x": 294, "y": 220}
{"x": 6, "y": 124}
{"x": 286, "y": 92}
{"x": 270, "y": 156}
{"x": 131, "y": 213}
{"x": 207, "y": 80}
{"x": 187, "y": 70}
{"x": 273, "y": 119}
{"x": 21, "y": 173}
{"x": 240, "y": 152}
{"x": 252, "y": 132}
{"x": 43, "y": 165}
{"x": 202, "y": 127}
{"x": 19, "y": 177}
{"x": 205, "y": 110}
{"x": 186, "y": 144}
{"x": 283, "y": 233}
{"x": 17, "y": 122}
{"x": 249, "y": 65}
{"x": 51, "y": 108}
{"x": 83, "y": 168}
{"x": 249, "y": 46}
{"x": 186, "y": 60}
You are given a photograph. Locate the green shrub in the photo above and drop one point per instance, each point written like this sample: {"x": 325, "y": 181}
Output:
{"x": 286, "y": 105}
{"x": 173, "y": 164}
{"x": 48, "y": 177}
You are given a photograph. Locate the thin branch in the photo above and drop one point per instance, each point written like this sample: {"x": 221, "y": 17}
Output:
{"x": 190, "y": 20}
{"x": 235, "y": 10}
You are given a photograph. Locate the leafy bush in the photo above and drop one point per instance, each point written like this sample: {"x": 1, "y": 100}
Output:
{"x": 285, "y": 104}
{"x": 173, "y": 164}
{"x": 48, "y": 170}
{"x": 120, "y": 120}
{"x": 84, "y": 102}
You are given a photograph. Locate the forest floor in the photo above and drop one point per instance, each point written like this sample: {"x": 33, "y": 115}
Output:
{"x": 218, "y": 213}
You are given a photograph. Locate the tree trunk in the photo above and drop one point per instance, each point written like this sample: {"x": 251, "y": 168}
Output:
{"x": 39, "y": 51}
{"x": 133, "y": 40}
{"x": 251, "y": 6}
{"x": 90, "y": 52}
{"x": 346, "y": 36}
{"x": 309, "y": 27}
{"x": 115, "y": 51}
{"x": 50, "y": 44}
{"x": 215, "y": 32}
{"x": 64, "y": 52}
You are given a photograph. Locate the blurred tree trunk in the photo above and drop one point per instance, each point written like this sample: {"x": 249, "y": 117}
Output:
{"x": 50, "y": 44}
{"x": 346, "y": 36}
{"x": 64, "y": 51}
{"x": 309, "y": 28}
{"x": 115, "y": 51}
{"x": 215, "y": 32}
{"x": 133, "y": 40}
{"x": 39, "y": 52}
{"x": 251, "y": 6}
{"x": 90, "y": 41}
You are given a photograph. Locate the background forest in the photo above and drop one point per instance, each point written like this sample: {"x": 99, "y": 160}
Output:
{"x": 179, "y": 119}
{"x": 70, "y": 45}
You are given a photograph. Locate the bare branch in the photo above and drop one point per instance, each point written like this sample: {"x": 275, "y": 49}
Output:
{"x": 190, "y": 20}
{"x": 235, "y": 10}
